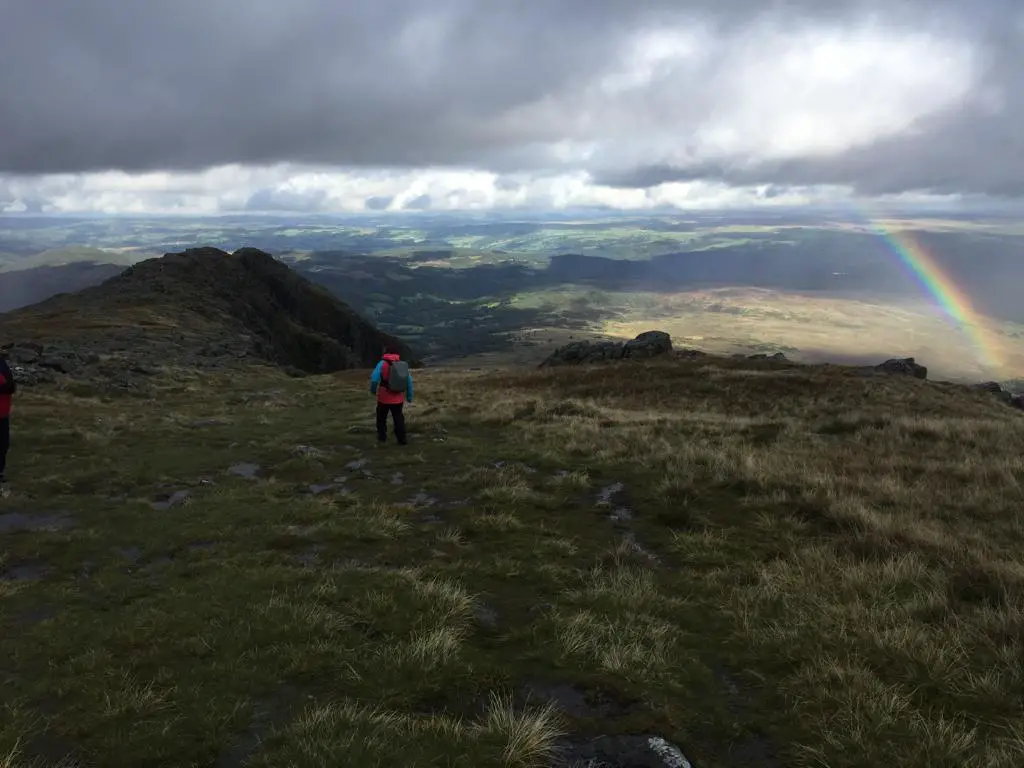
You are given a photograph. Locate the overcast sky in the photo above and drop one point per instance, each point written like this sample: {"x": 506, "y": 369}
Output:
{"x": 330, "y": 105}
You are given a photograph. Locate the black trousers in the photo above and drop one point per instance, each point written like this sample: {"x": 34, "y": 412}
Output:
{"x": 5, "y": 444}
{"x": 382, "y": 421}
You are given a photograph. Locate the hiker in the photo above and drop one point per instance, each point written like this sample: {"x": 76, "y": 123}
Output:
{"x": 391, "y": 381}
{"x": 7, "y": 388}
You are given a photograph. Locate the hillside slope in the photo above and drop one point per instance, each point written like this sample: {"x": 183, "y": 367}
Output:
{"x": 204, "y": 308}
{"x": 756, "y": 563}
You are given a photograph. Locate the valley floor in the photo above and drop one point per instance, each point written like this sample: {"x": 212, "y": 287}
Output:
{"x": 761, "y": 565}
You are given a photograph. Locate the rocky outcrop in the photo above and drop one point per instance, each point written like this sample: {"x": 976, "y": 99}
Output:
{"x": 35, "y": 364}
{"x": 646, "y": 345}
{"x": 905, "y": 366}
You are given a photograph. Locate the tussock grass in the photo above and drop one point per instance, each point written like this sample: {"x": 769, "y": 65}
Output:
{"x": 819, "y": 569}
{"x": 858, "y": 538}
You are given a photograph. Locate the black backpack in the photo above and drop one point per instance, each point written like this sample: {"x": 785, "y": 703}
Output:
{"x": 10, "y": 386}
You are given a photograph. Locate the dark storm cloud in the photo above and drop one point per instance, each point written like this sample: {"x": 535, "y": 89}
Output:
{"x": 419, "y": 203}
{"x": 188, "y": 84}
{"x": 378, "y": 202}
{"x": 284, "y": 200}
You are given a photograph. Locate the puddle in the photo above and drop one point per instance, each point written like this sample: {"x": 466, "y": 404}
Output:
{"x": 131, "y": 554}
{"x": 174, "y": 500}
{"x": 582, "y": 702}
{"x": 32, "y": 616}
{"x": 25, "y": 573}
{"x": 486, "y": 617}
{"x": 85, "y": 570}
{"x": 605, "y": 496}
{"x": 357, "y": 464}
{"x": 246, "y": 470}
{"x": 431, "y": 519}
{"x": 200, "y": 423}
{"x": 17, "y": 521}
{"x": 341, "y": 479}
{"x": 267, "y": 712}
{"x": 316, "y": 490}
{"x": 621, "y": 515}
{"x": 397, "y": 479}
{"x": 423, "y": 499}
{"x": 310, "y": 557}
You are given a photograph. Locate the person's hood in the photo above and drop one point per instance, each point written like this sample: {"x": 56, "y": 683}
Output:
{"x": 391, "y": 357}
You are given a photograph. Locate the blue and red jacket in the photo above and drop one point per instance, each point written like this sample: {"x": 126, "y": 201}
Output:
{"x": 6, "y": 382}
{"x": 384, "y": 395}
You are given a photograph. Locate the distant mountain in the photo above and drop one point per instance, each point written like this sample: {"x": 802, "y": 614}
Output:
{"x": 60, "y": 257}
{"x": 23, "y": 287}
{"x": 204, "y": 307}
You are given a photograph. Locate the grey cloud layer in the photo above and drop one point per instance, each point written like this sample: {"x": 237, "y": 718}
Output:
{"x": 188, "y": 84}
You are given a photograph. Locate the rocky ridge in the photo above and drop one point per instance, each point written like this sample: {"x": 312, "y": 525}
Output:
{"x": 201, "y": 308}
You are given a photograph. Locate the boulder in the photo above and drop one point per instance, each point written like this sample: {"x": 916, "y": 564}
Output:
{"x": 584, "y": 352}
{"x": 905, "y": 366}
{"x": 996, "y": 389}
{"x": 648, "y": 344}
{"x": 1017, "y": 401}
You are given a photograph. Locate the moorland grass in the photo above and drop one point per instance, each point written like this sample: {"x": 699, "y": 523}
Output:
{"x": 789, "y": 566}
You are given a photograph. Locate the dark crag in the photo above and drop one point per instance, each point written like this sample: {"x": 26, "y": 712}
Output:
{"x": 203, "y": 308}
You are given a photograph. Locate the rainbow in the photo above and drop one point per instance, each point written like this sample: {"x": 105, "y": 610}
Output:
{"x": 953, "y": 301}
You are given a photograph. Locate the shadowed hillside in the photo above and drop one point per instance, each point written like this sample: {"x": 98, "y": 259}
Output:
{"x": 204, "y": 307}
{"x": 23, "y": 287}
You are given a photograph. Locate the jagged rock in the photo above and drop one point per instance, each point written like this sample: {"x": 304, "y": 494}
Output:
{"x": 648, "y": 344}
{"x": 905, "y": 366}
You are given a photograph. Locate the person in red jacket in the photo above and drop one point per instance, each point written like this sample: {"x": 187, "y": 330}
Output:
{"x": 7, "y": 389}
{"x": 391, "y": 381}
